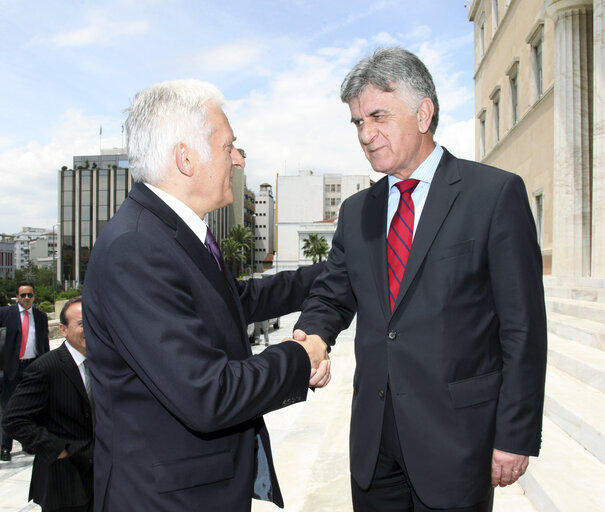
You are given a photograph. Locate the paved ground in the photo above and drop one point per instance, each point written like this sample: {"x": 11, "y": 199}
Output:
{"x": 310, "y": 447}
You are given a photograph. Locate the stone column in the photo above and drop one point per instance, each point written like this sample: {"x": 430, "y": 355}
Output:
{"x": 572, "y": 136}
{"x": 598, "y": 160}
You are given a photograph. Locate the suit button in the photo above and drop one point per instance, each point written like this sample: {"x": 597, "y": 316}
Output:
{"x": 392, "y": 335}
{"x": 381, "y": 393}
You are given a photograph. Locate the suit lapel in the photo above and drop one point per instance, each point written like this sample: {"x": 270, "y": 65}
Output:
{"x": 375, "y": 215}
{"x": 441, "y": 197}
{"x": 192, "y": 245}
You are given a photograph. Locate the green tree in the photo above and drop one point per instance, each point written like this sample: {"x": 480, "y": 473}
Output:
{"x": 243, "y": 242}
{"x": 232, "y": 254}
{"x": 315, "y": 247}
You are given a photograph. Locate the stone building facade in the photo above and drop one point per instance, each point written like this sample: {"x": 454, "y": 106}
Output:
{"x": 540, "y": 112}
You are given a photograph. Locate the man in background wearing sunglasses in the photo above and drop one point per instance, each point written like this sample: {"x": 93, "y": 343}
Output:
{"x": 26, "y": 339}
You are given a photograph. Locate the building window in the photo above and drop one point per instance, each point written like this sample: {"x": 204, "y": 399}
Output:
{"x": 482, "y": 38}
{"x": 539, "y": 205}
{"x": 495, "y": 97}
{"x": 535, "y": 39}
{"x": 537, "y": 51}
{"x": 495, "y": 19}
{"x": 513, "y": 73}
{"x": 482, "y": 134}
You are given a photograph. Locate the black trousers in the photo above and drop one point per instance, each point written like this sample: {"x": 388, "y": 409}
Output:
{"x": 391, "y": 490}
{"x": 7, "y": 391}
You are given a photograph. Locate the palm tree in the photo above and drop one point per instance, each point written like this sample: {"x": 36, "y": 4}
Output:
{"x": 236, "y": 247}
{"x": 315, "y": 247}
{"x": 245, "y": 238}
{"x": 232, "y": 254}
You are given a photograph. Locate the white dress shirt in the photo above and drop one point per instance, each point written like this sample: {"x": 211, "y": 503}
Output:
{"x": 424, "y": 174}
{"x": 79, "y": 360}
{"x": 30, "y": 347}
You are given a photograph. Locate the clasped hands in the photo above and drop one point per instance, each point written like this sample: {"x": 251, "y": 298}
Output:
{"x": 317, "y": 350}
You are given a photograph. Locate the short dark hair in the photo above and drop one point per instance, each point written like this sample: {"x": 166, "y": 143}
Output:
{"x": 63, "y": 314}
{"x": 24, "y": 283}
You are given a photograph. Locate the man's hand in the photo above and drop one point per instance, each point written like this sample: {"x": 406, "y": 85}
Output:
{"x": 507, "y": 467}
{"x": 317, "y": 351}
{"x": 63, "y": 454}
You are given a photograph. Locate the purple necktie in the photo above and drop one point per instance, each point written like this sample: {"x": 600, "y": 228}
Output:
{"x": 214, "y": 250}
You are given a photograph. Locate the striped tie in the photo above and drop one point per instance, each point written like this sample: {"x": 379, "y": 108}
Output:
{"x": 399, "y": 240}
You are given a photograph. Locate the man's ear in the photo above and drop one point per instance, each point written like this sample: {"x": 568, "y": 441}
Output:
{"x": 426, "y": 109}
{"x": 182, "y": 157}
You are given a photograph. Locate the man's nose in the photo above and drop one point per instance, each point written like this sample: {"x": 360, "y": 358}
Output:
{"x": 237, "y": 160}
{"x": 367, "y": 133}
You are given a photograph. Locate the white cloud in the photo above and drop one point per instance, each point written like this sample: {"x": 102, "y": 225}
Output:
{"x": 29, "y": 174}
{"x": 298, "y": 122}
{"x": 231, "y": 56}
{"x": 99, "y": 30}
{"x": 458, "y": 137}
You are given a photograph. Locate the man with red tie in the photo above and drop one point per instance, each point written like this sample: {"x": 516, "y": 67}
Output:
{"x": 26, "y": 339}
{"x": 440, "y": 263}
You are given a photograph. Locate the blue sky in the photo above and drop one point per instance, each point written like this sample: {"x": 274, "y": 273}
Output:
{"x": 68, "y": 67}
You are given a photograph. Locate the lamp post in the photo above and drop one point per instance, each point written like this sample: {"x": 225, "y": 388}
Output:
{"x": 56, "y": 232}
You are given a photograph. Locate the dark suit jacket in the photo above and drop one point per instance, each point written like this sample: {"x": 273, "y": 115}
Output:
{"x": 48, "y": 412}
{"x": 11, "y": 319}
{"x": 178, "y": 397}
{"x": 464, "y": 351}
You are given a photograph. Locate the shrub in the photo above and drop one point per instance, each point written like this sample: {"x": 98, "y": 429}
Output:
{"x": 46, "y": 307}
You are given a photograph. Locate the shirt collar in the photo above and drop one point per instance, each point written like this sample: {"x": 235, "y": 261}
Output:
{"x": 189, "y": 217}
{"x": 77, "y": 356}
{"x": 426, "y": 170}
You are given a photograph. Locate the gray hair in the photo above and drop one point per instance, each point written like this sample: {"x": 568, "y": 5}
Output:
{"x": 163, "y": 115}
{"x": 393, "y": 69}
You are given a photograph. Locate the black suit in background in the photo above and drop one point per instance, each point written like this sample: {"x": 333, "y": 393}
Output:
{"x": 178, "y": 396}
{"x": 48, "y": 412}
{"x": 464, "y": 351}
{"x": 10, "y": 318}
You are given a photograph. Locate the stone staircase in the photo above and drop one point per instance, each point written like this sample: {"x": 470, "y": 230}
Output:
{"x": 569, "y": 475}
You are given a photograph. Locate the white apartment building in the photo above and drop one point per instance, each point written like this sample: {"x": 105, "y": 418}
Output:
{"x": 264, "y": 227}
{"x": 309, "y": 203}
{"x": 43, "y": 250}
{"x": 22, "y": 240}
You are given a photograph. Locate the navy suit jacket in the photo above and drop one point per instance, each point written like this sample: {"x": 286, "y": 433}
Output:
{"x": 464, "y": 351}
{"x": 48, "y": 412}
{"x": 11, "y": 319}
{"x": 179, "y": 398}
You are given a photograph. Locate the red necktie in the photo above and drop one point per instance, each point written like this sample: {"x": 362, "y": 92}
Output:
{"x": 24, "y": 332}
{"x": 399, "y": 240}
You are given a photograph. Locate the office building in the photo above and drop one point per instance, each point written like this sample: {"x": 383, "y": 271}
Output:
{"x": 89, "y": 194}
{"x": 7, "y": 256}
{"x": 92, "y": 191}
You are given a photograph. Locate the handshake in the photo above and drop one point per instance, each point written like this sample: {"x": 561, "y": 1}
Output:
{"x": 317, "y": 350}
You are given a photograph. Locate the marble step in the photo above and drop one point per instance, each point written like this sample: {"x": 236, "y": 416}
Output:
{"x": 565, "y": 477}
{"x": 582, "y": 309}
{"x": 592, "y": 294}
{"x": 583, "y": 362}
{"x": 574, "y": 282}
{"x": 577, "y": 409}
{"x": 581, "y": 330}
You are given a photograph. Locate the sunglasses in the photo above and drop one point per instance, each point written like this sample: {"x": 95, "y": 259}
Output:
{"x": 28, "y": 295}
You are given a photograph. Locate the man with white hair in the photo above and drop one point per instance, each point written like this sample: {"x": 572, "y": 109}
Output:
{"x": 179, "y": 398}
